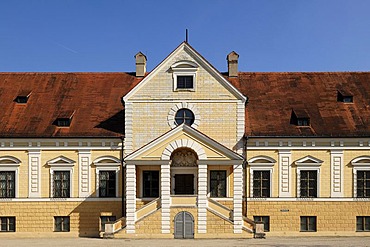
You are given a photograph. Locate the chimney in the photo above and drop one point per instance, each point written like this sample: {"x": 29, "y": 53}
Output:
{"x": 140, "y": 64}
{"x": 232, "y": 64}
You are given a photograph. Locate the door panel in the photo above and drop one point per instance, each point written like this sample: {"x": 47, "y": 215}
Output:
{"x": 184, "y": 225}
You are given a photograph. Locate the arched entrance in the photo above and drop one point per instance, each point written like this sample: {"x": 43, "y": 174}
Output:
{"x": 184, "y": 225}
{"x": 184, "y": 170}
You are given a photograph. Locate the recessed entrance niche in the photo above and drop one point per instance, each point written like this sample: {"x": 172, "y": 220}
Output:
{"x": 184, "y": 170}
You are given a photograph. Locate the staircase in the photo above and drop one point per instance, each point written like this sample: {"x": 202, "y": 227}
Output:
{"x": 227, "y": 214}
{"x": 115, "y": 227}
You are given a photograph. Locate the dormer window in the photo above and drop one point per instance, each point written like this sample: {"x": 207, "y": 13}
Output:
{"x": 184, "y": 75}
{"x": 22, "y": 97}
{"x": 64, "y": 119}
{"x": 344, "y": 96}
{"x": 300, "y": 118}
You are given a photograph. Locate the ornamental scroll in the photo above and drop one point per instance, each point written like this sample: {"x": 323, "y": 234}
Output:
{"x": 184, "y": 158}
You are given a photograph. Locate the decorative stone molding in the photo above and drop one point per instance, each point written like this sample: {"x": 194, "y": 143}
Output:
{"x": 106, "y": 163}
{"x": 61, "y": 163}
{"x": 183, "y": 143}
{"x": 166, "y": 197}
{"x": 34, "y": 181}
{"x": 238, "y": 198}
{"x": 361, "y": 163}
{"x": 337, "y": 164}
{"x": 11, "y": 164}
{"x": 202, "y": 198}
{"x": 260, "y": 163}
{"x": 130, "y": 198}
{"x": 308, "y": 163}
{"x": 184, "y": 158}
{"x": 285, "y": 157}
{"x": 191, "y": 106}
{"x": 84, "y": 157}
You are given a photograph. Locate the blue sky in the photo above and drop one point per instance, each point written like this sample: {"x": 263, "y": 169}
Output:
{"x": 275, "y": 35}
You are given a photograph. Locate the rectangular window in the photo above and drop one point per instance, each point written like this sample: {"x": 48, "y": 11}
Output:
{"x": 61, "y": 184}
{"x": 308, "y": 223}
{"x": 363, "y": 223}
{"x": 107, "y": 184}
{"x": 150, "y": 183}
{"x": 61, "y": 223}
{"x": 363, "y": 183}
{"x": 218, "y": 183}
{"x": 308, "y": 184}
{"x": 185, "y": 82}
{"x": 261, "y": 183}
{"x": 104, "y": 220}
{"x": 7, "y": 224}
{"x": 265, "y": 220}
{"x": 7, "y": 184}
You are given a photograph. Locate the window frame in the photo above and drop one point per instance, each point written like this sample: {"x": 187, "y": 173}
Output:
{"x": 226, "y": 183}
{"x": 308, "y": 163}
{"x": 184, "y": 118}
{"x": 184, "y": 68}
{"x": 61, "y": 163}
{"x": 106, "y": 163}
{"x": 363, "y": 223}
{"x": 260, "y": 163}
{"x": 270, "y": 184}
{"x": 262, "y": 218}
{"x": 361, "y": 163}
{"x": 70, "y": 182}
{"x": 143, "y": 184}
{"x": 7, "y": 218}
{"x": 63, "y": 218}
{"x": 11, "y": 164}
{"x": 299, "y": 180}
{"x": 108, "y": 188}
{"x": 307, "y": 223}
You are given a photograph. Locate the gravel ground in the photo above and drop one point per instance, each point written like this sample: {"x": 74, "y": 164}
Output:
{"x": 271, "y": 241}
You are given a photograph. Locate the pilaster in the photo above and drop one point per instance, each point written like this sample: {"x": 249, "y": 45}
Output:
{"x": 34, "y": 180}
{"x": 84, "y": 160}
{"x": 238, "y": 198}
{"x": 202, "y": 198}
{"x": 336, "y": 164}
{"x": 285, "y": 187}
{"x": 166, "y": 197}
{"x": 130, "y": 197}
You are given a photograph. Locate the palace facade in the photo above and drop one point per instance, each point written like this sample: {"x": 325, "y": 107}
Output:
{"x": 185, "y": 152}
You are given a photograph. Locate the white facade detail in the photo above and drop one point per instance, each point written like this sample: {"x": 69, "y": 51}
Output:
{"x": 202, "y": 198}
{"x": 166, "y": 197}
{"x": 240, "y": 126}
{"x": 285, "y": 187}
{"x": 106, "y": 163}
{"x": 128, "y": 127}
{"x": 336, "y": 164}
{"x": 308, "y": 163}
{"x": 61, "y": 163}
{"x": 34, "y": 177}
{"x": 84, "y": 160}
{"x": 191, "y": 106}
{"x": 130, "y": 197}
{"x": 11, "y": 164}
{"x": 260, "y": 163}
{"x": 238, "y": 198}
{"x": 166, "y": 155}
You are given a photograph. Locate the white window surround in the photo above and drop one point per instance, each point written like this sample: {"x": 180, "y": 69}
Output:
{"x": 106, "y": 163}
{"x": 184, "y": 170}
{"x": 61, "y": 163}
{"x": 141, "y": 188}
{"x": 260, "y": 163}
{"x": 361, "y": 163}
{"x": 11, "y": 164}
{"x": 184, "y": 68}
{"x": 183, "y": 105}
{"x": 210, "y": 168}
{"x": 308, "y": 163}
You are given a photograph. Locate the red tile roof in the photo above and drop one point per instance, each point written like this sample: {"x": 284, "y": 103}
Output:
{"x": 93, "y": 100}
{"x": 273, "y": 96}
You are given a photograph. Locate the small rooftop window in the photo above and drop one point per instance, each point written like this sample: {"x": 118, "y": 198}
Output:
{"x": 300, "y": 118}
{"x": 64, "y": 119}
{"x": 344, "y": 96}
{"x": 22, "y": 97}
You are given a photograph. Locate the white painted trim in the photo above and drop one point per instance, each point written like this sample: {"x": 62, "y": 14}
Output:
{"x": 238, "y": 198}
{"x": 84, "y": 162}
{"x": 187, "y": 143}
{"x": 309, "y": 161}
{"x": 48, "y": 199}
{"x": 360, "y": 166}
{"x": 285, "y": 180}
{"x": 165, "y": 198}
{"x": 11, "y": 167}
{"x": 189, "y": 101}
{"x": 61, "y": 161}
{"x": 202, "y": 197}
{"x": 61, "y": 167}
{"x": 295, "y": 199}
{"x": 337, "y": 173}
{"x": 129, "y": 113}
{"x": 183, "y": 105}
{"x": 252, "y": 169}
{"x": 106, "y": 167}
{"x": 34, "y": 173}
{"x": 112, "y": 160}
{"x": 240, "y": 126}
{"x": 184, "y": 72}
{"x": 130, "y": 198}
{"x": 306, "y": 168}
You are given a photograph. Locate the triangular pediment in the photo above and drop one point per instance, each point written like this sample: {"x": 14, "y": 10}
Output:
{"x": 308, "y": 160}
{"x": 61, "y": 160}
{"x": 184, "y": 60}
{"x": 183, "y": 136}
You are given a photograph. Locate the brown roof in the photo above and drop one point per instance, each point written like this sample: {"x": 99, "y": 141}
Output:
{"x": 273, "y": 96}
{"x": 92, "y": 100}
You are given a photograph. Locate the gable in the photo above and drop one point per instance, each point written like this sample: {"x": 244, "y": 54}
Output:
{"x": 180, "y": 137}
{"x": 184, "y": 60}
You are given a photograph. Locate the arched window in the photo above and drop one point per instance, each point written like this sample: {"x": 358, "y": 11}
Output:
{"x": 184, "y": 116}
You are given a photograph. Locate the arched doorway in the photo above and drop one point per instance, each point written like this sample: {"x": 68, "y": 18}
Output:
{"x": 184, "y": 169}
{"x": 184, "y": 225}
